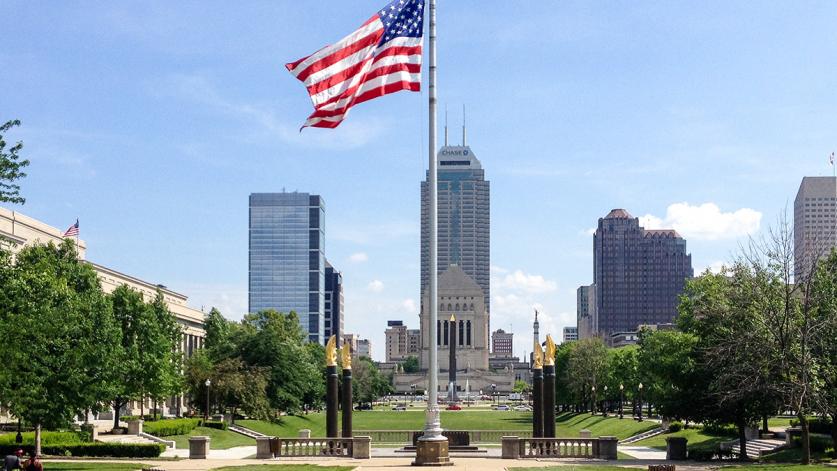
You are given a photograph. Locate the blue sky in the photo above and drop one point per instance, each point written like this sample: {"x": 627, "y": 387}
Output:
{"x": 152, "y": 122}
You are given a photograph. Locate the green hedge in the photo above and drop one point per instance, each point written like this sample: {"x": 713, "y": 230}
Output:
{"x": 111, "y": 450}
{"x": 170, "y": 427}
{"x": 819, "y": 443}
{"x": 215, "y": 424}
{"x": 675, "y": 427}
{"x": 47, "y": 438}
{"x": 815, "y": 425}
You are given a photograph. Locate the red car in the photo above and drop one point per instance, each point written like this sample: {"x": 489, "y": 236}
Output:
{"x": 454, "y": 407}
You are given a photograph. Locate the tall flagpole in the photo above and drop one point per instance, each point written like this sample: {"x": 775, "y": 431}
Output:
{"x": 432, "y": 426}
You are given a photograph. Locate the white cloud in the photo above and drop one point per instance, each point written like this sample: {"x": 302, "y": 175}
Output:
{"x": 587, "y": 232}
{"x": 376, "y": 286}
{"x": 520, "y": 281}
{"x": 705, "y": 221}
{"x": 359, "y": 257}
{"x": 714, "y": 267}
{"x": 410, "y": 306}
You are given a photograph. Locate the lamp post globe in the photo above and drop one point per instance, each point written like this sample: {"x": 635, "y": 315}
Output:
{"x": 621, "y": 399}
{"x": 639, "y": 406}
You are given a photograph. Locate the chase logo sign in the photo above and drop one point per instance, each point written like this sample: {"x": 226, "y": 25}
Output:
{"x": 454, "y": 151}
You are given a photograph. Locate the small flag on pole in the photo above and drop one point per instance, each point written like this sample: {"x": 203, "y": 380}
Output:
{"x": 381, "y": 57}
{"x": 831, "y": 158}
{"x": 72, "y": 231}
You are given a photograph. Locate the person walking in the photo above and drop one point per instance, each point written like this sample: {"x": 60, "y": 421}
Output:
{"x": 33, "y": 463}
{"x": 12, "y": 462}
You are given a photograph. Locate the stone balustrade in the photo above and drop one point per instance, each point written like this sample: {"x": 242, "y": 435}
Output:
{"x": 356, "y": 447}
{"x": 598, "y": 448}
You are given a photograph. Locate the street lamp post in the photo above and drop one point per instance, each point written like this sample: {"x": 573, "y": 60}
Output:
{"x": 413, "y": 387}
{"x": 621, "y": 399}
{"x": 639, "y": 406}
{"x": 593, "y": 401}
{"x": 604, "y": 403}
{"x": 493, "y": 393}
{"x": 206, "y": 412}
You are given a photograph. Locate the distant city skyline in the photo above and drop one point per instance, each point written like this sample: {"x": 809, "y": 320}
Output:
{"x": 155, "y": 136}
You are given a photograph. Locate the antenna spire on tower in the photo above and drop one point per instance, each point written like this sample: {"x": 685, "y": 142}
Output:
{"x": 464, "y": 134}
{"x": 446, "y": 125}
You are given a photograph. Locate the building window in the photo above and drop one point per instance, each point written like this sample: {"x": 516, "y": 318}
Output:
{"x": 469, "y": 333}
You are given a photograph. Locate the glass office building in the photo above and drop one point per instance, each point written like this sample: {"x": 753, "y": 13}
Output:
{"x": 464, "y": 218}
{"x": 287, "y": 257}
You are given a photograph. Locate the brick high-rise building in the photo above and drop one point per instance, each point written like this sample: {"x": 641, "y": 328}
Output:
{"x": 502, "y": 343}
{"x": 638, "y": 273}
{"x": 401, "y": 342}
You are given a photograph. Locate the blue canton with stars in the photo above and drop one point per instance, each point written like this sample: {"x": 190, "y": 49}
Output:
{"x": 402, "y": 19}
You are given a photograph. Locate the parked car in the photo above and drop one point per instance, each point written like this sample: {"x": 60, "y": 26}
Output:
{"x": 366, "y": 406}
{"x": 399, "y": 408}
{"x": 454, "y": 407}
{"x": 502, "y": 407}
{"x": 523, "y": 408}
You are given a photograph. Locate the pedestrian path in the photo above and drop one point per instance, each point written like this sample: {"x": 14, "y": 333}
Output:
{"x": 124, "y": 439}
{"x": 643, "y": 452}
{"x": 235, "y": 453}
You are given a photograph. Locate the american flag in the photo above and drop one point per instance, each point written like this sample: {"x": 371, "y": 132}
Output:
{"x": 72, "y": 231}
{"x": 383, "y": 56}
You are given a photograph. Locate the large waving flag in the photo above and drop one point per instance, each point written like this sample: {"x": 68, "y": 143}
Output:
{"x": 383, "y": 56}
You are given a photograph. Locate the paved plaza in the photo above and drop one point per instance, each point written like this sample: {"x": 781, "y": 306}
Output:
{"x": 397, "y": 463}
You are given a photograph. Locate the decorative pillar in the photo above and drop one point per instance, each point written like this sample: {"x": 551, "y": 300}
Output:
{"x": 452, "y": 363}
{"x": 549, "y": 389}
{"x": 537, "y": 391}
{"x": 331, "y": 387}
{"x": 346, "y": 354}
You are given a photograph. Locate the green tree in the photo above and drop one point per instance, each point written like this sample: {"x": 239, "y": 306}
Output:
{"x": 825, "y": 348}
{"x": 410, "y": 365}
{"x": 369, "y": 383}
{"x": 521, "y": 386}
{"x": 11, "y": 167}
{"x": 60, "y": 335}
{"x": 239, "y": 387}
{"x": 276, "y": 341}
{"x": 197, "y": 369}
{"x": 131, "y": 316}
{"x": 159, "y": 355}
{"x": 220, "y": 336}
{"x": 586, "y": 368}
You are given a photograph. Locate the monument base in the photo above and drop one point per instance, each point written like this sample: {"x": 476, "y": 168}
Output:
{"x": 432, "y": 453}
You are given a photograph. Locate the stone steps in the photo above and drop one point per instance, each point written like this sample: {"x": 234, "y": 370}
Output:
{"x": 756, "y": 448}
{"x": 642, "y": 436}
{"x": 245, "y": 431}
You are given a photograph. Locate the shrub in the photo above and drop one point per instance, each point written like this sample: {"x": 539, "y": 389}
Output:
{"x": 47, "y": 438}
{"x": 215, "y": 424}
{"x": 819, "y": 443}
{"x": 98, "y": 449}
{"x": 675, "y": 427}
{"x": 707, "y": 452}
{"x": 815, "y": 425}
{"x": 170, "y": 427}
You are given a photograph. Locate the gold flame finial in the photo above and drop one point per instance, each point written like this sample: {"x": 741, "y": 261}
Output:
{"x": 537, "y": 353}
{"x": 331, "y": 351}
{"x": 550, "y": 352}
{"x": 346, "y": 356}
{"x": 452, "y": 318}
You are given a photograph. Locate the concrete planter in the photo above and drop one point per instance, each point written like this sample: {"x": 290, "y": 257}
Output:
{"x": 198, "y": 448}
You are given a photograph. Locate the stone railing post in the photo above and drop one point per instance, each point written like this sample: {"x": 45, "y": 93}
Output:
{"x": 305, "y": 433}
{"x": 263, "y": 451}
{"x": 198, "y": 448}
{"x": 134, "y": 427}
{"x": 511, "y": 448}
{"x": 607, "y": 448}
{"x": 361, "y": 448}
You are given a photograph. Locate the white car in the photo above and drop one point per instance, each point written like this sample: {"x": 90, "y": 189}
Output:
{"x": 523, "y": 408}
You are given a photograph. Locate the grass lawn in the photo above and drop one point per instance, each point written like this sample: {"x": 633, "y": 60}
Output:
{"x": 792, "y": 455}
{"x": 778, "y": 422}
{"x": 567, "y": 425}
{"x": 693, "y": 435}
{"x": 286, "y": 467}
{"x": 219, "y": 439}
{"x": 71, "y": 466}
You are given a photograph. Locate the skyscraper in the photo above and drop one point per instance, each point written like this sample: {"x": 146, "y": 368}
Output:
{"x": 333, "y": 303}
{"x": 814, "y": 222}
{"x": 287, "y": 257}
{"x": 570, "y": 334}
{"x": 586, "y": 311}
{"x": 502, "y": 343}
{"x": 638, "y": 274}
{"x": 464, "y": 218}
